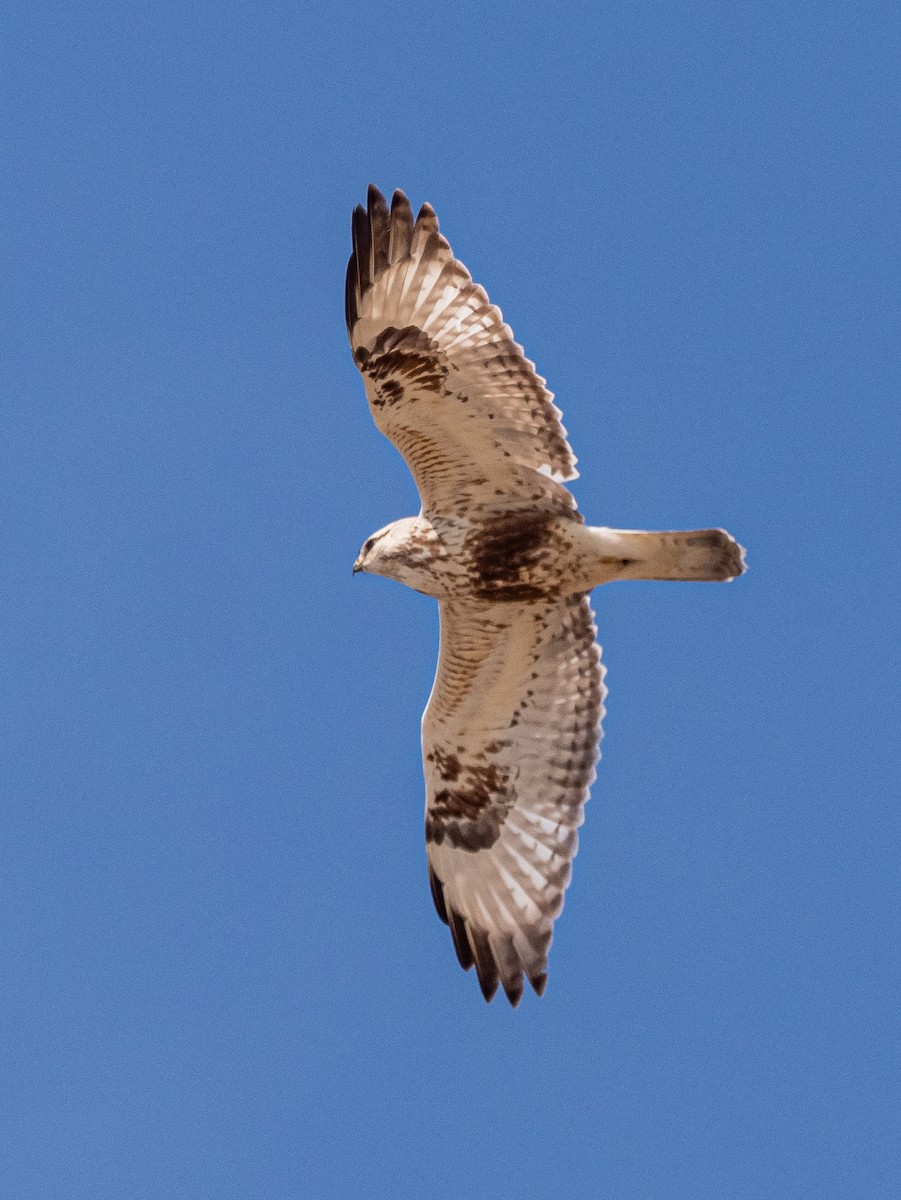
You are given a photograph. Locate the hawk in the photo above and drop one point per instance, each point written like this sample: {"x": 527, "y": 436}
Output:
{"x": 511, "y": 730}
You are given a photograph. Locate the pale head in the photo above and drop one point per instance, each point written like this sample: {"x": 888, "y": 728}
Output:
{"x": 405, "y": 550}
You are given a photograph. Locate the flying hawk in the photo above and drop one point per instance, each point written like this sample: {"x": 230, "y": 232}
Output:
{"x": 510, "y": 733}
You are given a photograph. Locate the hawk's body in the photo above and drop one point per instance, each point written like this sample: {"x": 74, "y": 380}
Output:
{"x": 510, "y": 733}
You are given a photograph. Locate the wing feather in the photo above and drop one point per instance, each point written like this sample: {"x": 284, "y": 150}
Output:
{"x": 400, "y": 236}
{"x": 510, "y": 743}
{"x": 439, "y": 363}
{"x": 379, "y": 226}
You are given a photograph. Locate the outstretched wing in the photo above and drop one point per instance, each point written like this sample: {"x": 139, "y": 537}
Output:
{"x": 445, "y": 380}
{"x": 510, "y": 742}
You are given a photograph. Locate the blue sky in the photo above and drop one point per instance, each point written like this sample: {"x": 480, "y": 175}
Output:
{"x": 223, "y": 976}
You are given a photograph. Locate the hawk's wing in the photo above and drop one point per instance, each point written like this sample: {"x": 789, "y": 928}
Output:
{"x": 445, "y": 380}
{"x": 510, "y": 742}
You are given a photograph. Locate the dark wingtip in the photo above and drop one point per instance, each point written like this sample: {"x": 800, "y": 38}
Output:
{"x": 374, "y": 198}
{"x": 461, "y": 941}
{"x": 362, "y": 248}
{"x": 486, "y": 967}
{"x": 350, "y": 295}
{"x": 437, "y": 890}
{"x": 400, "y": 227}
{"x": 488, "y": 985}
{"x": 379, "y": 229}
{"x": 514, "y": 990}
{"x": 539, "y": 982}
{"x": 427, "y": 221}
{"x": 473, "y": 948}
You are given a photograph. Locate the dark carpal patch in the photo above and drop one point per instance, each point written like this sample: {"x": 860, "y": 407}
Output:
{"x": 402, "y": 360}
{"x": 390, "y": 391}
{"x": 447, "y": 765}
{"x": 504, "y": 549}
{"x": 469, "y": 813}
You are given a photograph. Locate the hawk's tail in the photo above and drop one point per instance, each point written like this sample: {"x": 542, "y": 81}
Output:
{"x": 702, "y": 555}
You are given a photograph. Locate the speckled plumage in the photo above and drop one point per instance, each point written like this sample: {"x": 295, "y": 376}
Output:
{"x": 510, "y": 734}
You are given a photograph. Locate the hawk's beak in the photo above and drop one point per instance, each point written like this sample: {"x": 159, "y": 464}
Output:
{"x": 357, "y": 567}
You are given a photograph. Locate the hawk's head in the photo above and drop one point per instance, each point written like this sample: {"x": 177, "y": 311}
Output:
{"x": 405, "y": 550}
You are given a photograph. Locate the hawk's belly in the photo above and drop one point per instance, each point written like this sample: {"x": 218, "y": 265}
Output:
{"x": 514, "y": 555}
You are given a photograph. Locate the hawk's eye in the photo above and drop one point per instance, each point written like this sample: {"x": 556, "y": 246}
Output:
{"x": 368, "y": 544}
